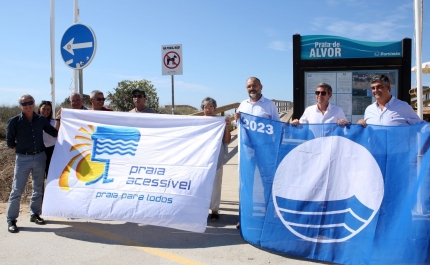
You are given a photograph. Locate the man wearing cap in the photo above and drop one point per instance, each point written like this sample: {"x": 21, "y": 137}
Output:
{"x": 139, "y": 100}
{"x": 98, "y": 100}
{"x": 24, "y": 134}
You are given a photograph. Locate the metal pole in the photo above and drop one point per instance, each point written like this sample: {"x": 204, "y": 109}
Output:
{"x": 81, "y": 82}
{"x": 418, "y": 44}
{"x": 173, "y": 96}
{"x": 76, "y": 20}
{"x": 52, "y": 42}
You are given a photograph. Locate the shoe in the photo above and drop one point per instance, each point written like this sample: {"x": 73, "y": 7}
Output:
{"x": 11, "y": 227}
{"x": 35, "y": 218}
{"x": 214, "y": 216}
{"x": 238, "y": 225}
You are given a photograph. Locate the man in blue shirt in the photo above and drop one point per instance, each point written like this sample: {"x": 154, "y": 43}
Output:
{"x": 24, "y": 134}
{"x": 387, "y": 110}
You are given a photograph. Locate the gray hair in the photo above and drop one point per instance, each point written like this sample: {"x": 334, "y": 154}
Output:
{"x": 74, "y": 94}
{"x": 325, "y": 85}
{"x": 94, "y": 93}
{"x": 207, "y": 100}
{"x": 25, "y": 96}
{"x": 380, "y": 78}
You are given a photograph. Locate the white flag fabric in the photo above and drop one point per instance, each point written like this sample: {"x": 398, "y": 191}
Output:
{"x": 142, "y": 168}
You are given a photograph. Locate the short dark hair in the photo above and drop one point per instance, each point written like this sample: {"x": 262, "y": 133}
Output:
{"x": 380, "y": 78}
{"x": 253, "y": 77}
{"x": 325, "y": 85}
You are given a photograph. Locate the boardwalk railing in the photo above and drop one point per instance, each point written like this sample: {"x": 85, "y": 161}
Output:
{"x": 285, "y": 109}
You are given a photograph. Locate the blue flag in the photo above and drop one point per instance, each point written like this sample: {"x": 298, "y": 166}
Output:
{"x": 342, "y": 194}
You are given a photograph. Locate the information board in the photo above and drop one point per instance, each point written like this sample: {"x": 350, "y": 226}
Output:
{"x": 351, "y": 89}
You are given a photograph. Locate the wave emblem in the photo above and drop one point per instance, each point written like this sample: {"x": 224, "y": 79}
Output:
{"x": 95, "y": 149}
{"x": 327, "y": 189}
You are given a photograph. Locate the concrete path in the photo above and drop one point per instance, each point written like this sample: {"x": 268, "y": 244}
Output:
{"x": 64, "y": 241}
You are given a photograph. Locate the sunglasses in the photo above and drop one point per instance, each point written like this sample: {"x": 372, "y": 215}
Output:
{"x": 137, "y": 96}
{"x": 323, "y": 93}
{"x": 29, "y": 103}
{"x": 100, "y": 99}
{"x": 46, "y": 102}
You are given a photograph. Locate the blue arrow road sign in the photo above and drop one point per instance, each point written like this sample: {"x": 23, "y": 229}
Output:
{"x": 78, "y": 46}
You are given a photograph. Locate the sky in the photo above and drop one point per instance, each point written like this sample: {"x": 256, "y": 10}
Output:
{"x": 224, "y": 42}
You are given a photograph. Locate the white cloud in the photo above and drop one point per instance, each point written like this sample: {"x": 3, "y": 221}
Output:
{"x": 369, "y": 25}
{"x": 278, "y": 45}
{"x": 381, "y": 30}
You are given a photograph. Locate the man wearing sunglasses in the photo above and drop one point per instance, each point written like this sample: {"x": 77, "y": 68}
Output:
{"x": 323, "y": 111}
{"x": 387, "y": 110}
{"x": 139, "y": 101}
{"x": 24, "y": 134}
{"x": 98, "y": 100}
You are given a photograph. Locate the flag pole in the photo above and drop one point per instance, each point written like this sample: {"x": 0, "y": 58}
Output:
{"x": 418, "y": 51}
{"x": 52, "y": 44}
{"x": 76, "y": 20}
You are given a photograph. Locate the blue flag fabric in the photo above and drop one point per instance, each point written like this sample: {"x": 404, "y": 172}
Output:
{"x": 342, "y": 194}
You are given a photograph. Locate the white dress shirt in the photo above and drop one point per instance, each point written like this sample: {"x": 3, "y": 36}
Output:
{"x": 264, "y": 108}
{"x": 395, "y": 113}
{"x": 313, "y": 115}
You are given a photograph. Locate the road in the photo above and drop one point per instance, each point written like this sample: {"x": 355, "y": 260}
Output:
{"x": 65, "y": 241}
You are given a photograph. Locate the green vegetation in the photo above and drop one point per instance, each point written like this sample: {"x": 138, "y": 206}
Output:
{"x": 86, "y": 101}
{"x": 7, "y": 112}
{"x": 122, "y": 99}
{"x": 179, "y": 110}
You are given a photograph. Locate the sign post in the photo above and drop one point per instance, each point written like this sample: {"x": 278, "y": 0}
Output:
{"x": 78, "y": 48}
{"x": 171, "y": 56}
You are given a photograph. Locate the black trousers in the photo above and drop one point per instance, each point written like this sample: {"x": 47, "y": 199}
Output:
{"x": 48, "y": 152}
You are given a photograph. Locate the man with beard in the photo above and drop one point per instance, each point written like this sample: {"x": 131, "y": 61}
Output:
{"x": 256, "y": 105}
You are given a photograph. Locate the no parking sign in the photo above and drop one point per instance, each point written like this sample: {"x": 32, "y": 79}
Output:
{"x": 171, "y": 56}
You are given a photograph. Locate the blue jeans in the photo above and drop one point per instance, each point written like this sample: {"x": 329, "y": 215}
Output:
{"x": 24, "y": 164}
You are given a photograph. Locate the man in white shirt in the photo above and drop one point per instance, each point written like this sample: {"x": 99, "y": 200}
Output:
{"x": 387, "y": 110}
{"x": 256, "y": 104}
{"x": 323, "y": 111}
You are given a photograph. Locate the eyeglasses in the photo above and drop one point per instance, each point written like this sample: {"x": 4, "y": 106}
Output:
{"x": 323, "y": 93}
{"x": 100, "y": 99}
{"x": 31, "y": 102}
{"x": 46, "y": 102}
{"x": 137, "y": 96}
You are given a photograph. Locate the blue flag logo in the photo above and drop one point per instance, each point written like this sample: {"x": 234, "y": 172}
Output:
{"x": 320, "y": 205}
{"x": 342, "y": 194}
